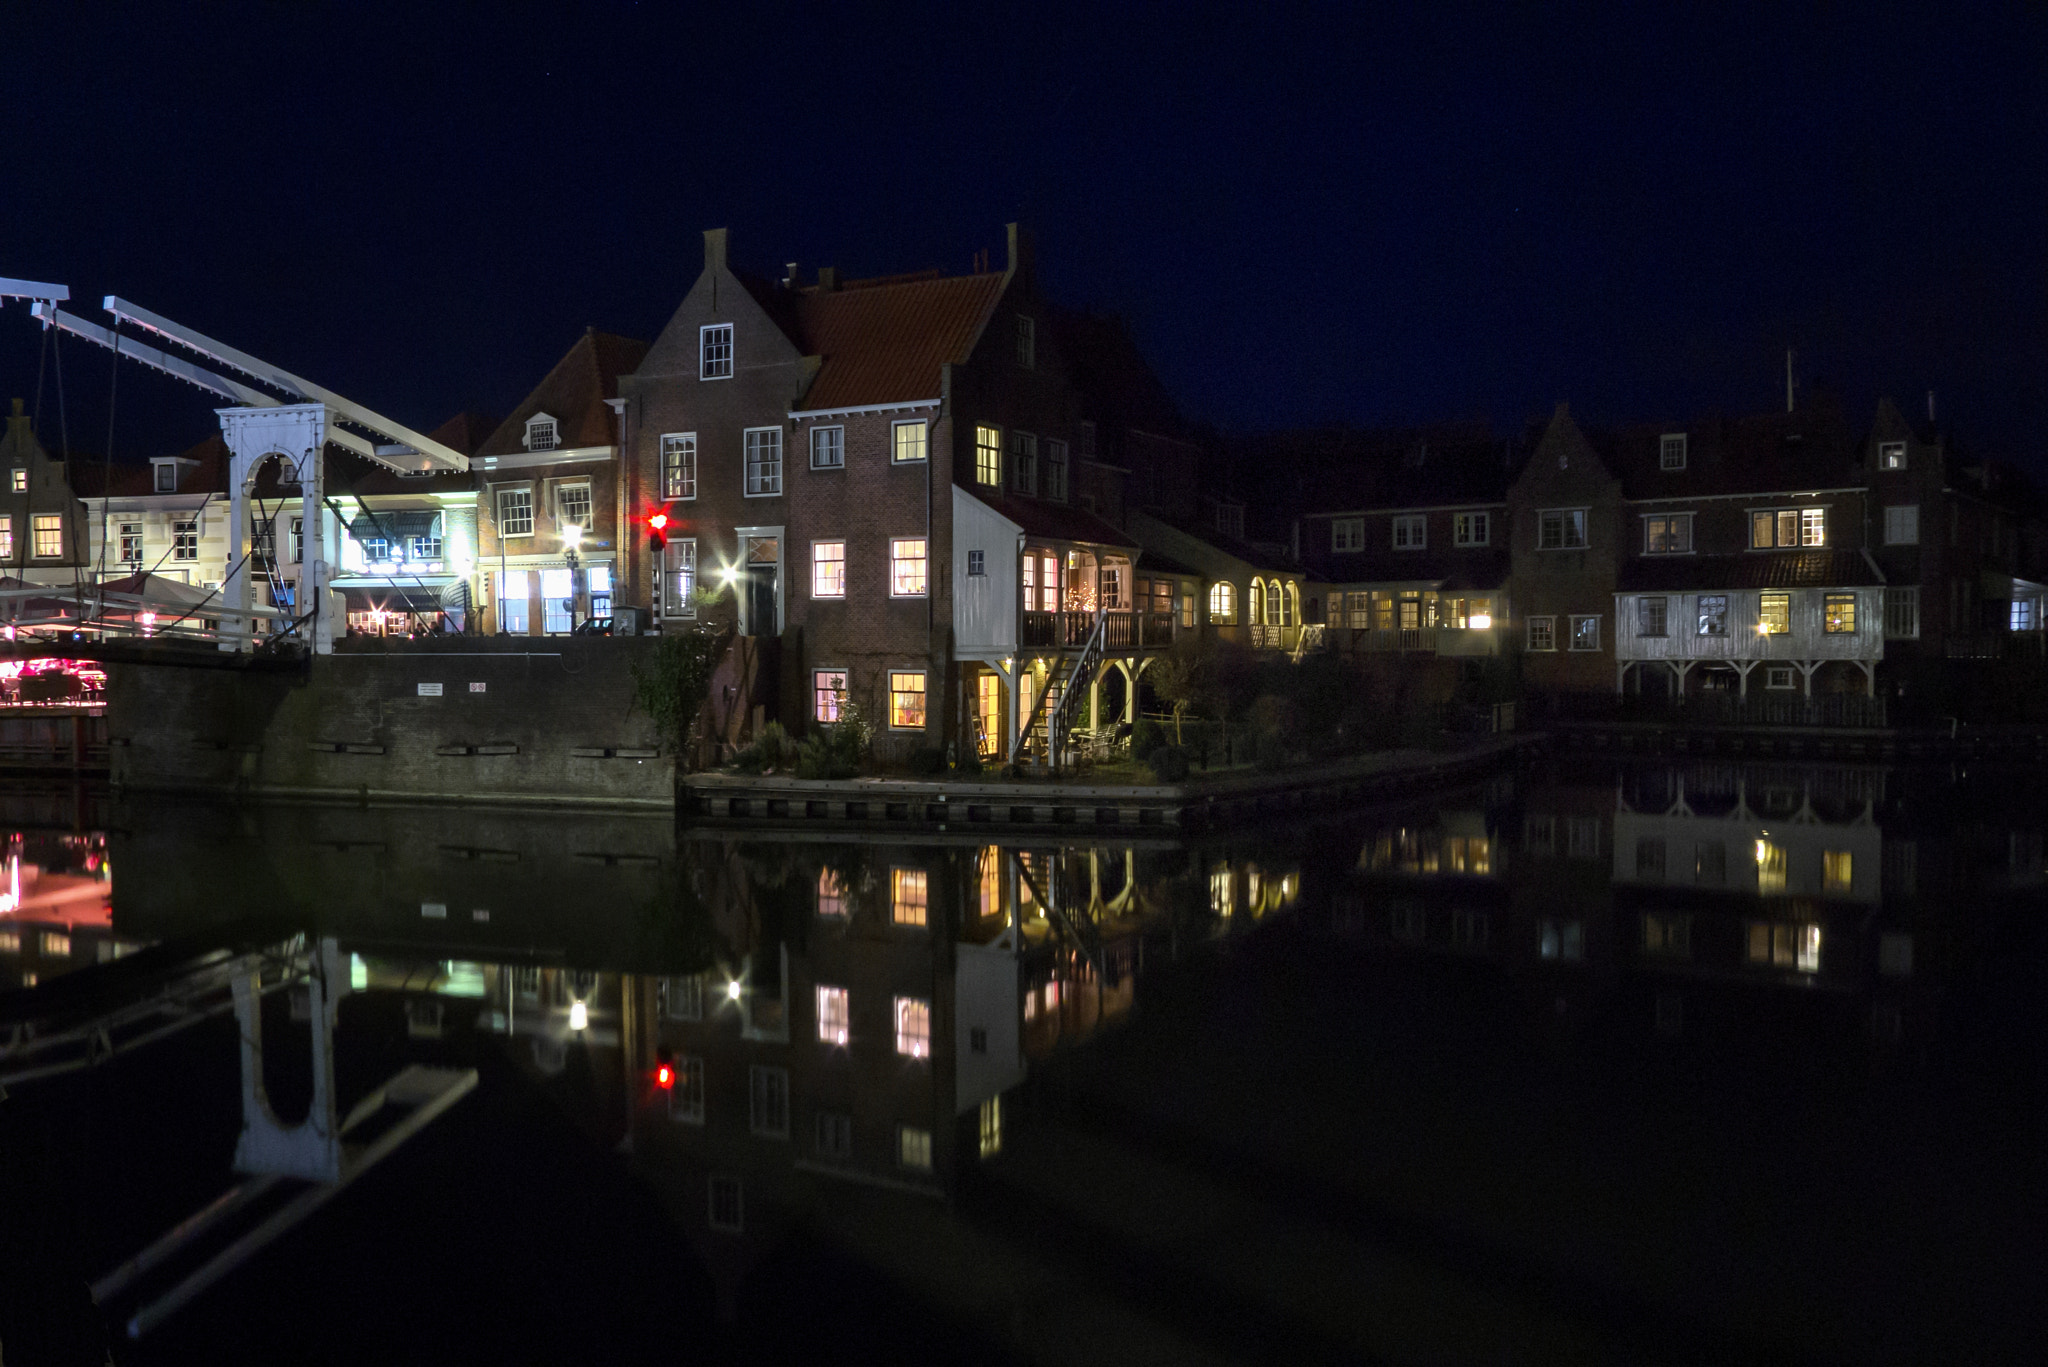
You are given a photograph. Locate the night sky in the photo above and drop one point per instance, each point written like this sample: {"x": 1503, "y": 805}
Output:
{"x": 1310, "y": 215}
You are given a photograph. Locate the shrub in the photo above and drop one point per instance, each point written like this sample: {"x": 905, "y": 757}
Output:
{"x": 1269, "y": 750}
{"x": 1146, "y": 736}
{"x": 671, "y": 682}
{"x": 1169, "y": 763}
{"x": 927, "y": 759}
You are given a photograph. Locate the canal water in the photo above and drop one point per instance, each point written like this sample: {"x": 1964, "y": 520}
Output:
{"x": 1583, "y": 1062}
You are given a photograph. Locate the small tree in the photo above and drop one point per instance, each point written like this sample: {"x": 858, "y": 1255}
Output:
{"x": 671, "y": 683}
{"x": 1186, "y": 678}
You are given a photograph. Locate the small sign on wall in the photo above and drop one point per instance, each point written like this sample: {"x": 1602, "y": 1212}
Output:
{"x": 476, "y": 688}
{"x": 432, "y": 690}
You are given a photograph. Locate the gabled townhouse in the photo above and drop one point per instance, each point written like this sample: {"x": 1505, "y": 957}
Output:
{"x": 555, "y": 497}
{"x": 42, "y": 523}
{"x": 168, "y": 517}
{"x": 876, "y": 484}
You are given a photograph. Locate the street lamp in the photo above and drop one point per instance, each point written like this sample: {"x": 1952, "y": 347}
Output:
{"x": 572, "y": 537}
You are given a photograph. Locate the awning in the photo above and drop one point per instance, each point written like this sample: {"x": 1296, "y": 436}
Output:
{"x": 395, "y": 526}
{"x": 409, "y": 598}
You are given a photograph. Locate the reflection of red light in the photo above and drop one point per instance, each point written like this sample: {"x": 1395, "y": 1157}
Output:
{"x": 665, "y": 1076}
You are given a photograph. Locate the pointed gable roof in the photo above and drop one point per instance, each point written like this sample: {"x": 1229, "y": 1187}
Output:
{"x": 884, "y": 341}
{"x": 573, "y": 394}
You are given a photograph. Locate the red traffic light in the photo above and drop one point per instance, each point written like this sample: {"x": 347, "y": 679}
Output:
{"x": 665, "y": 1076}
{"x": 657, "y": 532}
{"x": 657, "y": 520}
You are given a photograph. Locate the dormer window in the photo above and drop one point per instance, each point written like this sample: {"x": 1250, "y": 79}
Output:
{"x": 542, "y": 433}
{"x": 1230, "y": 519}
{"x": 1891, "y": 455}
{"x": 714, "y": 352}
{"x": 166, "y": 477}
{"x": 1671, "y": 451}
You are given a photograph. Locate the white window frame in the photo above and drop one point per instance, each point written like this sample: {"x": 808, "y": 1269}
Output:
{"x": 1472, "y": 529}
{"x": 1700, "y": 619}
{"x": 924, "y": 676}
{"x": 708, "y": 366}
{"x": 679, "y": 561}
{"x": 1891, "y": 455}
{"x": 977, "y": 564}
{"x": 1576, "y": 619}
{"x": 539, "y": 426}
{"x": 1828, "y": 600}
{"x": 166, "y": 481}
{"x": 184, "y": 538}
{"x": 1547, "y": 626}
{"x": 821, "y": 678}
{"x": 20, "y": 479}
{"x": 1662, "y": 613}
{"x": 817, "y": 561}
{"x": 1223, "y": 603}
{"x": 835, "y": 1015}
{"x": 1411, "y": 532}
{"x": 678, "y": 467}
{"x": 1055, "y": 481}
{"x": 1780, "y": 677}
{"x": 907, "y": 1011}
{"x": 898, "y": 564}
{"x": 498, "y": 496}
{"x": 1685, "y": 519}
{"x": 1024, "y": 462}
{"x": 1671, "y": 451}
{"x": 1347, "y": 534}
{"x": 562, "y": 518}
{"x": 912, "y": 434}
{"x": 1902, "y": 613}
{"x": 1902, "y": 524}
{"x": 767, "y": 1102}
{"x": 988, "y": 444}
{"x": 759, "y": 479}
{"x": 1566, "y": 520}
{"x": 46, "y": 535}
{"x": 130, "y": 541}
{"x": 828, "y": 448}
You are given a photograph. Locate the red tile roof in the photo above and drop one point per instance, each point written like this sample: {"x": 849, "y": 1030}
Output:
{"x": 884, "y": 341}
{"x": 1054, "y": 521}
{"x": 573, "y": 394}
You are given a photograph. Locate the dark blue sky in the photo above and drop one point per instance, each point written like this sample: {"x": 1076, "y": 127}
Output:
{"x": 1310, "y": 214}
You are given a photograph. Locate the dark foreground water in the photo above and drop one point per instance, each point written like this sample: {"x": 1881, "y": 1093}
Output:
{"x": 1584, "y": 1063}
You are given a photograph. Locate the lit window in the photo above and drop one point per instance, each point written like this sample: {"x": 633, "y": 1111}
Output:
{"x": 1713, "y": 614}
{"x": 542, "y": 434}
{"x": 991, "y": 1128}
{"x": 831, "y": 894}
{"x": 1222, "y": 603}
{"x": 1667, "y": 934}
{"x": 1472, "y": 529}
{"x": 977, "y": 565}
{"x": 1667, "y": 534}
{"x": 828, "y": 448}
{"x": 515, "y": 512}
{"x": 1770, "y": 867}
{"x": 1411, "y": 532}
{"x": 1561, "y": 529}
{"x": 2024, "y": 617}
{"x": 1787, "y": 528}
{"x": 1671, "y": 451}
{"x": 1650, "y": 616}
{"x": 131, "y": 541}
{"x": 572, "y": 506}
{"x": 828, "y": 569}
{"x": 1837, "y": 869}
{"x": 764, "y": 461}
{"x": 907, "y": 567}
{"x": 914, "y": 1148}
{"x": 49, "y": 529}
{"x": 1813, "y": 527}
{"x": 185, "y": 539}
{"x": 768, "y": 1102}
{"x": 679, "y": 465}
{"x": 1585, "y": 633}
{"x": 512, "y": 602}
{"x": 679, "y": 577}
{"x": 988, "y": 456}
{"x": 913, "y": 1027}
{"x": 988, "y": 882}
{"x": 1056, "y": 471}
{"x": 907, "y": 889}
{"x": 1902, "y": 613}
{"x": 1838, "y": 613}
{"x": 714, "y": 352}
{"x": 20, "y": 481}
{"x": 1542, "y": 633}
{"x": 1024, "y": 462}
{"x": 686, "y": 1098}
{"x": 1902, "y": 525}
{"x": 726, "y": 1214}
{"x": 833, "y": 1016}
{"x": 1891, "y": 455}
{"x": 1027, "y": 342}
{"x": 828, "y": 694}
{"x": 907, "y": 442}
{"x": 1774, "y": 614}
{"x": 1347, "y": 534}
{"x": 1781, "y": 944}
{"x": 1187, "y": 605}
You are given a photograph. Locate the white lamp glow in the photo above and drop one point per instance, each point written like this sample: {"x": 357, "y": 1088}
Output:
{"x": 579, "y": 1016}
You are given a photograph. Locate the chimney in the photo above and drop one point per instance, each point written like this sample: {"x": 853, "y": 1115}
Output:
{"x": 1788, "y": 379}
{"x": 714, "y": 249}
{"x": 789, "y": 279}
{"x": 828, "y": 279}
{"x": 1019, "y": 241}
{"x": 1930, "y": 408}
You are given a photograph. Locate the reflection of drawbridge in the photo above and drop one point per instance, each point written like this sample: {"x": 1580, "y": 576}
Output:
{"x": 292, "y": 1169}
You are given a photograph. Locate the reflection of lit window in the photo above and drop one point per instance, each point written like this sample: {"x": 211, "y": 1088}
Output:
{"x": 1770, "y": 867}
{"x": 907, "y": 896}
{"x": 1783, "y": 944}
{"x": 991, "y": 1126}
{"x": 1219, "y": 891}
{"x": 831, "y": 894}
{"x": 10, "y": 942}
{"x": 1667, "y": 934}
{"x": 990, "y": 882}
{"x": 1564, "y": 940}
{"x": 56, "y": 945}
{"x": 1836, "y": 870}
{"x": 833, "y": 1015}
{"x": 725, "y": 1205}
{"x": 686, "y": 1098}
{"x": 913, "y": 1027}
{"x": 914, "y": 1148}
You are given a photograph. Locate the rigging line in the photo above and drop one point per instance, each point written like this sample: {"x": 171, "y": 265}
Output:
{"x": 107, "y": 467}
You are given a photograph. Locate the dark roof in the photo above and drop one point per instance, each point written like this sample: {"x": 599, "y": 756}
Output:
{"x": 1252, "y": 553}
{"x": 1054, "y": 521}
{"x": 1811, "y": 448}
{"x": 467, "y": 431}
{"x": 884, "y": 341}
{"x": 130, "y": 480}
{"x": 1336, "y": 470}
{"x": 573, "y": 394}
{"x": 1119, "y": 390}
{"x": 1478, "y": 568}
{"x": 1755, "y": 570}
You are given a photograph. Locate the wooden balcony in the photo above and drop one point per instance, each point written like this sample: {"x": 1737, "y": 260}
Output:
{"x": 1122, "y": 631}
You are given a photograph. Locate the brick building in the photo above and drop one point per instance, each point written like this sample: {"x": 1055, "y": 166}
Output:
{"x": 42, "y": 523}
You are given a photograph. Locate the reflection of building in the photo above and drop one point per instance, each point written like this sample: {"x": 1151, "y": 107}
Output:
{"x": 54, "y": 912}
